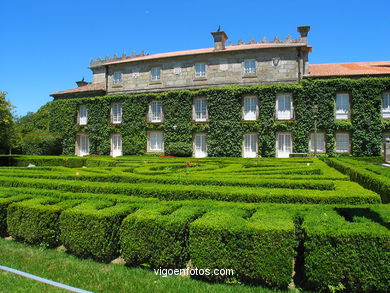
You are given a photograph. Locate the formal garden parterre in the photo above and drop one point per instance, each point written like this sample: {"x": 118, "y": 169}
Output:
{"x": 273, "y": 221}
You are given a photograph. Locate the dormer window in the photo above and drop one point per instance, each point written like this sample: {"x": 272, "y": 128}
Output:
{"x": 155, "y": 74}
{"x": 117, "y": 77}
{"x": 200, "y": 70}
{"x": 250, "y": 67}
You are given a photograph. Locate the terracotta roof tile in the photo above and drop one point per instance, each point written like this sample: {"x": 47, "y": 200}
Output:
{"x": 349, "y": 69}
{"x": 91, "y": 87}
{"x": 202, "y": 51}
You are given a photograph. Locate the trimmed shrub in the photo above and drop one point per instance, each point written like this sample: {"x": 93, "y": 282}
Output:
{"x": 259, "y": 247}
{"x": 36, "y": 220}
{"x": 347, "y": 246}
{"x": 5, "y": 201}
{"x": 92, "y": 229}
{"x": 158, "y": 235}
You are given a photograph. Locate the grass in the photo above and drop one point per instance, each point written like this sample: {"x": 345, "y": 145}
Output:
{"x": 93, "y": 276}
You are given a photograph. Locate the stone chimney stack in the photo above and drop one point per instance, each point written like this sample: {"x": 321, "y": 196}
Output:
{"x": 81, "y": 82}
{"x": 219, "y": 40}
{"x": 304, "y": 30}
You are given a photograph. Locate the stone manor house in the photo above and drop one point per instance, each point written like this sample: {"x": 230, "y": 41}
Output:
{"x": 245, "y": 64}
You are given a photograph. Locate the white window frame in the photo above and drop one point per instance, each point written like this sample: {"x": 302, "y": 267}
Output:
{"x": 200, "y": 73}
{"x": 253, "y": 138}
{"x": 114, "y": 78}
{"x": 196, "y": 152}
{"x": 342, "y": 113}
{"x": 152, "y": 117}
{"x": 116, "y": 151}
{"x": 385, "y": 134}
{"x": 249, "y": 71}
{"x": 201, "y": 115}
{"x": 321, "y": 143}
{"x": 117, "y": 119}
{"x": 151, "y": 148}
{"x": 339, "y": 134}
{"x": 83, "y": 120}
{"x": 81, "y": 150}
{"x": 250, "y": 115}
{"x": 386, "y": 110}
{"x": 289, "y": 149}
{"x": 153, "y": 76}
{"x": 284, "y": 115}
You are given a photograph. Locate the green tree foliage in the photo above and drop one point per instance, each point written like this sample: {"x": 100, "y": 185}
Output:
{"x": 6, "y": 122}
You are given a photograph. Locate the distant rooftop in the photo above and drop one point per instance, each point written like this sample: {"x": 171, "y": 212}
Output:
{"x": 349, "y": 69}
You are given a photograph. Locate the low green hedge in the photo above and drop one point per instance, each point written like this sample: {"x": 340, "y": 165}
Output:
{"x": 158, "y": 235}
{"x": 350, "y": 246}
{"x": 5, "y": 201}
{"x": 371, "y": 180}
{"x": 92, "y": 229}
{"x": 36, "y": 221}
{"x": 259, "y": 248}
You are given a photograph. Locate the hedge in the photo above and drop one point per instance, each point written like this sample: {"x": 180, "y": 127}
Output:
{"x": 5, "y": 201}
{"x": 348, "y": 246}
{"x": 259, "y": 248}
{"x": 36, "y": 220}
{"x": 158, "y": 235}
{"x": 92, "y": 229}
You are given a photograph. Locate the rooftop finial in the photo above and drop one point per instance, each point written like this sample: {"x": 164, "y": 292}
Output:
{"x": 219, "y": 28}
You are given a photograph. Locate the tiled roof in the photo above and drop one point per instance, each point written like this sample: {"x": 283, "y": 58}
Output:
{"x": 201, "y": 51}
{"x": 349, "y": 69}
{"x": 91, "y": 87}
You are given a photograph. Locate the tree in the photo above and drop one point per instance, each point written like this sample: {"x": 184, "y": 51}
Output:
{"x": 6, "y": 123}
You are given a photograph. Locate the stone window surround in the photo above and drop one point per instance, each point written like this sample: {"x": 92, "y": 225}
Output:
{"x": 205, "y": 71}
{"x": 244, "y": 74}
{"x": 349, "y": 105}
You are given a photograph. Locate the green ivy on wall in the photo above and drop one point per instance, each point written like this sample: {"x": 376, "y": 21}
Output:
{"x": 225, "y": 128}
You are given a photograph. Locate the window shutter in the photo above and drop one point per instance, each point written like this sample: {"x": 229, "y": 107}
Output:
{"x": 150, "y": 115}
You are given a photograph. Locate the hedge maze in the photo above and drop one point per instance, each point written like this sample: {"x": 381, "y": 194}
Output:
{"x": 273, "y": 221}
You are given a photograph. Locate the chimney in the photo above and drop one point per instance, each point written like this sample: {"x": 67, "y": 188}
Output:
{"x": 219, "y": 40}
{"x": 81, "y": 82}
{"x": 304, "y": 30}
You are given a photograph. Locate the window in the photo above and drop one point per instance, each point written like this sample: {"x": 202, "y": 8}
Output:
{"x": 284, "y": 107}
{"x": 200, "y": 109}
{"x": 155, "y": 141}
{"x": 155, "y": 74}
{"x": 116, "y": 145}
{"x": 200, "y": 145}
{"x": 200, "y": 70}
{"x": 83, "y": 115}
{"x": 117, "y": 77}
{"x": 283, "y": 145}
{"x": 386, "y": 105}
{"x": 116, "y": 113}
{"x": 155, "y": 111}
{"x": 250, "y": 145}
{"x": 250, "y": 108}
{"x": 342, "y": 143}
{"x": 342, "y": 106}
{"x": 249, "y": 67}
{"x": 318, "y": 137}
{"x": 82, "y": 145}
{"x": 386, "y": 135}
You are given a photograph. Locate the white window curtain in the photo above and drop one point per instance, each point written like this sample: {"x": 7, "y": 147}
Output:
{"x": 284, "y": 107}
{"x": 200, "y": 110}
{"x": 284, "y": 145}
{"x": 155, "y": 74}
{"x": 83, "y": 115}
{"x": 342, "y": 143}
{"x": 342, "y": 106}
{"x": 200, "y": 70}
{"x": 116, "y": 112}
{"x": 156, "y": 141}
{"x": 320, "y": 138}
{"x": 250, "y": 145}
{"x": 249, "y": 67}
{"x": 116, "y": 145}
{"x": 83, "y": 145}
{"x": 155, "y": 111}
{"x": 200, "y": 146}
{"x": 250, "y": 108}
{"x": 386, "y": 105}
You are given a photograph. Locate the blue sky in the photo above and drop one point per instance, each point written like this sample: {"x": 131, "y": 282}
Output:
{"x": 47, "y": 45}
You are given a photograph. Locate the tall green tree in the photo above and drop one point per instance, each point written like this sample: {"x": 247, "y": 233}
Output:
{"x": 6, "y": 123}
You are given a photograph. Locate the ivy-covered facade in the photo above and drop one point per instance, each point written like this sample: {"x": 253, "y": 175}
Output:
{"x": 226, "y": 130}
